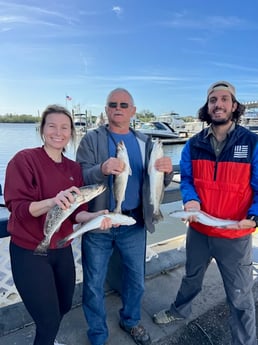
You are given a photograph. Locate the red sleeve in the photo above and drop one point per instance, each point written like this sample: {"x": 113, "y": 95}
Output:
{"x": 19, "y": 190}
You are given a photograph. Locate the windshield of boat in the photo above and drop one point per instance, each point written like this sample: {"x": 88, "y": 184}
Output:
{"x": 153, "y": 125}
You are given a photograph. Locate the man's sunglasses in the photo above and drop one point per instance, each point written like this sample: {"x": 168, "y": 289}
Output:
{"x": 115, "y": 104}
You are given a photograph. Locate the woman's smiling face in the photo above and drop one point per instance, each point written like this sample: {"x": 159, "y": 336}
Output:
{"x": 57, "y": 131}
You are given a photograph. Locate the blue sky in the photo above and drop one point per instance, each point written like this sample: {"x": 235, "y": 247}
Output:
{"x": 165, "y": 52}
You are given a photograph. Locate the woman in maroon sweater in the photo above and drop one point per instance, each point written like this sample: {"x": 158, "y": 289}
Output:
{"x": 36, "y": 180}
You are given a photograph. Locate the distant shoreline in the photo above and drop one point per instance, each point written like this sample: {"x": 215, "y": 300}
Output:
{"x": 19, "y": 119}
{"x": 19, "y": 123}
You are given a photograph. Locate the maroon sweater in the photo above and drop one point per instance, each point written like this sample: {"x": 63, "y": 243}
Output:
{"x": 31, "y": 175}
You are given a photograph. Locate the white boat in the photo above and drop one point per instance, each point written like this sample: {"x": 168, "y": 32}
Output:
{"x": 250, "y": 121}
{"x": 158, "y": 129}
{"x": 80, "y": 122}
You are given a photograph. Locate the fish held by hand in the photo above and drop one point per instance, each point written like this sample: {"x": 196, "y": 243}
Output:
{"x": 156, "y": 181}
{"x": 203, "y": 218}
{"x": 95, "y": 223}
{"x": 120, "y": 182}
{"x": 56, "y": 215}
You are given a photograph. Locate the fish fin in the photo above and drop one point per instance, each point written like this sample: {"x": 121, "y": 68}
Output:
{"x": 117, "y": 210}
{"x": 41, "y": 250}
{"x": 61, "y": 243}
{"x": 150, "y": 167}
{"x": 157, "y": 217}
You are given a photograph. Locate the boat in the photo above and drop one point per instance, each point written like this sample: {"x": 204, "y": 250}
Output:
{"x": 250, "y": 120}
{"x": 158, "y": 129}
{"x": 80, "y": 122}
{"x": 174, "y": 121}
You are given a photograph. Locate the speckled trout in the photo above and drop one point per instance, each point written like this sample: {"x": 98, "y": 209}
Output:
{"x": 95, "y": 223}
{"x": 56, "y": 215}
{"x": 120, "y": 182}
{"x": 203, "y": 218}
{"x": 156, "y": 181}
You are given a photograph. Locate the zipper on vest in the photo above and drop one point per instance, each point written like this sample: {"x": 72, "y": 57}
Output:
{"x": 215, "y": 170}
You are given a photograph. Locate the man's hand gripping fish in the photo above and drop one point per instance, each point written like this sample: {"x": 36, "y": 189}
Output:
{"x": 203, "y": 218}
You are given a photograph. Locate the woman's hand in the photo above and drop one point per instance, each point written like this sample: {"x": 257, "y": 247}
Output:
{"x": 65, "y": 198}
{"x": 84, "y": 217}
{"x": 106, "y": 223}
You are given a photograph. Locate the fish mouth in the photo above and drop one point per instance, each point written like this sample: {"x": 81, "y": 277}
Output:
{"x": 90, "y": 192}
{"x": 102, "y": 188}
{"x": 93, "y": 188}
{"x": 99, "y": 188}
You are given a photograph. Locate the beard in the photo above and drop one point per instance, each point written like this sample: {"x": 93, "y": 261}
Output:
{"x": 221, "y": 122}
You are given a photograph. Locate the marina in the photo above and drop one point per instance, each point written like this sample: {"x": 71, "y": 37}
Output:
{"x": 22, "y": 136}
{"x": 164, "y": 269}
{"x": 15, "y": 137}
{"x": 250, "y": 121}
{"x": 250, "y": 118}
{"x": 170, "y": 56}
{"x": 158, "y": 129}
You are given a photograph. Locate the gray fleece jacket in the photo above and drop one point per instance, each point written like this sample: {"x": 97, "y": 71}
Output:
{"x": 93, "y": 151}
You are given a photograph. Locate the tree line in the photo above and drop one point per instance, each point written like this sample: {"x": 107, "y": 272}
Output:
{"x": 10, "y": 118}
{"x": 144, "y": 116}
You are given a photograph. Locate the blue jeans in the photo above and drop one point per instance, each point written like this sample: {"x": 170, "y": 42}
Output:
{"x": 96, "y": 252}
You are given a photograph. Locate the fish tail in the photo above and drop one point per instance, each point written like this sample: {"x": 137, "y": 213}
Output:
{"x": 41, "y": 250}
{"x": 117, "y": 210}
{"x": 157, "y": 217}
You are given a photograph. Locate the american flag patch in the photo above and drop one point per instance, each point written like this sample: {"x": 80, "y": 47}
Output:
{"x": 241, "y": 151}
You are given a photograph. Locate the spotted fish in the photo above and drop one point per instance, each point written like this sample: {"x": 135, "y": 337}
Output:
{"x": 56, "y": 215}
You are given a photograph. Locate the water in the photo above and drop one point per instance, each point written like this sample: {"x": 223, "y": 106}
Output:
{"x": 15, "y": 137}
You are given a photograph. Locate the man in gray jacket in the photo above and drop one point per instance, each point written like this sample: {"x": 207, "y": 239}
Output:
{"x": 97, "y": 156}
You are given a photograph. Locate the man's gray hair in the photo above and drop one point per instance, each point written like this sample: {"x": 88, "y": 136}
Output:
{"x": 120, "y": 89}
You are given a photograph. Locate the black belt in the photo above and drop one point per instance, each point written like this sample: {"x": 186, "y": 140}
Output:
{"x": 134, "y": 211}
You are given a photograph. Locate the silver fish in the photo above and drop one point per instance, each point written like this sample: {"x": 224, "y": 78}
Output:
{"x": 95, "y": 223}
{"x": 120, "y": 182}
{"x": 156, "y": 181}
{"x": 203, "y": 218}
{"x": 56, "y": 215}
